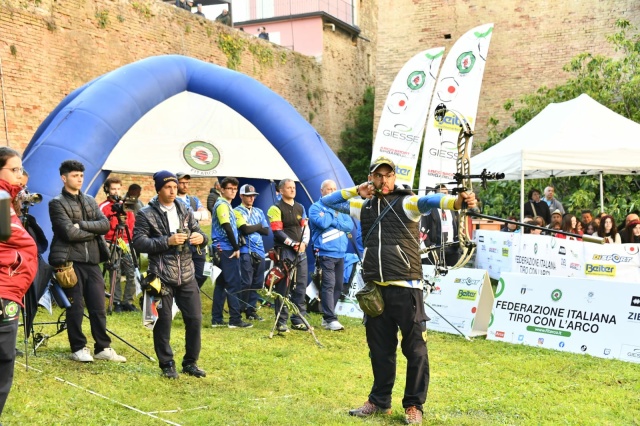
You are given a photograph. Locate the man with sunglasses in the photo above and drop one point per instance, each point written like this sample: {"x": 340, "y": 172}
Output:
{"x": 390, "y": 219}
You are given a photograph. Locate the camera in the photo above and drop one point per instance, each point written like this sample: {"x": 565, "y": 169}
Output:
{"x": 26, "y": 197}
{"x": 121, "y": 205}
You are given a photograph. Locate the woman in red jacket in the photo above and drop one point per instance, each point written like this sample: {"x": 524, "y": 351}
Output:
{"x": 18, "y": 266}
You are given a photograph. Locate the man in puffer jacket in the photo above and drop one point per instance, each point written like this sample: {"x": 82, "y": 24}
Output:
{"x": 164, "y": 229}
{"x": 78, "y": 229}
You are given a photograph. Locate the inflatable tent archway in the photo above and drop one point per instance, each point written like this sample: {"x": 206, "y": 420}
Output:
{"x": 180, "y": 114}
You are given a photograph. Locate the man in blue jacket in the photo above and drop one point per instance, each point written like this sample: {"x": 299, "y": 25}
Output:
{"x": 329, "y": 230}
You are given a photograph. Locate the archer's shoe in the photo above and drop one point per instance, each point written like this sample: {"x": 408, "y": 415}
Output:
{"x": 240, "y": 324}
{"x": 333, "y": 326}
{"x": 215, "y": 324}
{"x": 83, "y": 355}
{"x": 282, "y": 328}
{"x": 300, "y": 327}
{"x": 128, "y": 307}
{"x": 194, "y": 370}
{"x": 254, "y": 317}
{"x": 108, "y": 354}
{"x": 117, "y": 308}
{"x": 369, "y": 409}
{"x": 412, "y": 416}
{"x": 169, "y": 371}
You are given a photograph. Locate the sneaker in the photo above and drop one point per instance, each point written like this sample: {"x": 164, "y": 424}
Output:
{"x": 128, "y": 307}
{"x": 369, "y": 409}
{"x": 254, "y": 317}
{"x": 169, "y": 371}
{"x": 412, "y": 415}
{"x": 215, "y": 324}
{"x": 300, "y": 327}
{"x": 282, "y": 328}
{"x": 194, "y": 370}
{"x": 240, "y": 324}
{"x": 108, "y": 354}
{"x": 83, "y": 355}
{"x": 333, "y": 326}
{"x": 324, "y": 323}
{"x": 117, "y": 308}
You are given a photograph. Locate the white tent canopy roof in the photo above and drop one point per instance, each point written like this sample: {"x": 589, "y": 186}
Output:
{"x": 572, "y": 138}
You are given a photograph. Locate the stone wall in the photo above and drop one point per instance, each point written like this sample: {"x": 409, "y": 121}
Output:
{"x": 532, "y": 40}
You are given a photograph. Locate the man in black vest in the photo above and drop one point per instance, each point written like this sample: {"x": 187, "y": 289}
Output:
{"x": 392, "y": 262}
{"x": 291, "y": 235}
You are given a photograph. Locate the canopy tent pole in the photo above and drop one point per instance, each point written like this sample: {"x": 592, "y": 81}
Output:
{"x": 601, "y": 194}
{"x": 521, "y": 187}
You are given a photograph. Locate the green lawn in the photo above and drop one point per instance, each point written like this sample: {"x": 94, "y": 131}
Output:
{"x": 288, "y": 380}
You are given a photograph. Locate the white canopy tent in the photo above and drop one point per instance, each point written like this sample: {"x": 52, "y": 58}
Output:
{"x": 577, "y": 137}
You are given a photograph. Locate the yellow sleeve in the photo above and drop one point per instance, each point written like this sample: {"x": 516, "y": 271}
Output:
{"x": 239, "y": 219}
{"x": 223, "y": 213}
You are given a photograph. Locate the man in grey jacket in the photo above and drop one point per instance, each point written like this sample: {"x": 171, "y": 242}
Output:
{"x": 78, "y": 229}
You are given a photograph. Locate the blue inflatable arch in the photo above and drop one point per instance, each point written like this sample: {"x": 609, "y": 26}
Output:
{"x": 91, "y": 121}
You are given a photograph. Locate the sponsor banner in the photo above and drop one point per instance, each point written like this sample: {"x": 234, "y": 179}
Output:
{"x": 576, "y": 315}
{"x": 402, "y": 122}
{"x": 545, "y": 255}
{"x": 460, "y": 300}
{"x": 494, "y": 251}
{"x": 458, "y": 88}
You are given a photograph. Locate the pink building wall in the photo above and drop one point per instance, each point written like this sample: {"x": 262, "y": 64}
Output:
{"x": 302, "y": 35}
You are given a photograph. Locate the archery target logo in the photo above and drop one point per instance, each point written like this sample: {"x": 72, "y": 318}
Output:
{"x": 201, "y": 155}
{"x": 556, "y": 295}
{"x": 448, "y": 90}
{"x": 397, "y": 103}
{"x": 416, "y": 80}
{"x": 465, "y": 62}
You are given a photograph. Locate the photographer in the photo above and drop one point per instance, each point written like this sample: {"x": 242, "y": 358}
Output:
{"x": 18, "y": 266}
{"x": 165, "y": 229}
{"x": 121, "y": 220}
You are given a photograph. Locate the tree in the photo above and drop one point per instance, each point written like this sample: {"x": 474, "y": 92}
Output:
{"x": 614, "y": 83}
{"x": 357, "y": 140}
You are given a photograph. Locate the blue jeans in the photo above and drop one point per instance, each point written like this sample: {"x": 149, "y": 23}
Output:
{"x": 252, "y": 279}
{"x": 227, "y": 287}
{"x": 332, "y": 277}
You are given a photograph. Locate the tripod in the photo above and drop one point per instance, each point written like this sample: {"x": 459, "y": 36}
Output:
{"x": 117, "y": 250}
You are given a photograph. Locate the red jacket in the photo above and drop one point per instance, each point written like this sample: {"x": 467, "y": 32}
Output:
{"x": 105, "y": 207}
{"x": 18, "y": 258}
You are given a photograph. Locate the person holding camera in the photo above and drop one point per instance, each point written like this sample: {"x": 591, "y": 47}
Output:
{"x": 252, "y": 263}
{"x": 78, "y": 229}
{"x": 18, "y": 267}
{"x": 122, "y": 221}
{"x": 165, "y": 229}
{"x": 225, "y": 225}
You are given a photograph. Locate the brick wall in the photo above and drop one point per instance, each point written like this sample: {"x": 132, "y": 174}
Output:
{"x": 531, "y": 41}
{"x": 50, "y": 47}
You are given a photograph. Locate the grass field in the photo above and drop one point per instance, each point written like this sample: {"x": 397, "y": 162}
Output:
{"x": 288, "y": 380}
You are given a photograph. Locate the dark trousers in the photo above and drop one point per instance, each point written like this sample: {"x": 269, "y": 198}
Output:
{"x": 187, "y": 297}
{"x": 8, "y": 336}
{"x": 402, "y": 309}
{"x": 198, "y": 262}
{"x": 126, "y": 267}
{"x": 227, "y": 288}
{"x": 90, "y": 292}
{"x": 297, "y": 292}
{"x": 252, "y": 275}
{"x": 332, "y": 280}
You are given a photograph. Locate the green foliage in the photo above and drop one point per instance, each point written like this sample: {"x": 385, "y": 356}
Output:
{"x": 232, "y": 47}
{"x": 142, "y": 8}
{"x": 103, "y": 18}
{"x": 14, "y": 50}
{"x": 357, "y": 139}
{"x": 263, "y": 54}
{"x": 612, "y": 81}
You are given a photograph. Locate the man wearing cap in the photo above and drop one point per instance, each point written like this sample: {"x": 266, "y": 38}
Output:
{"x": 251, "y": 254}
{"x": 165, "y": 229}
{"x": 225, "y": 225}
{"x": 329, "y": 230}
{"x": 288, "y": 221}
{"x": 390, "y": 216}
{"x": 556, "y": 220}
{"x": 199, "y": 213}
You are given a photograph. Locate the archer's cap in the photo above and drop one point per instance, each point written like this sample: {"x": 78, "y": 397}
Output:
{"x": 181, "y": 175}
{"x": 556, "y": 211}
{"x": 248, "y": 190}
{"x": 380, "y": 161}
